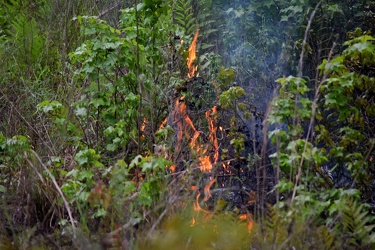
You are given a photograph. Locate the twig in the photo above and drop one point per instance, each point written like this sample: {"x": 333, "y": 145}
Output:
{"x": 131, "y": 222}
{"x": 156, "y": 223}
{"x": 25, "y": 121}
{"x": 317, "y": 94}
{"x": 300, "y": 67}
{"x": 57, "y": 187}
{"x": 109, "y": 9}
{"x": 300, "y": 62}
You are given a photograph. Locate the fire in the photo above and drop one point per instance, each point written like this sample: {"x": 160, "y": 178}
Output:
{"x": 243, "y": 217}
{"x": 249, "y": 220}
{"x": 192, "y": 56}
{"x": 208, "y": 154}
{"x": 205, "y": 163}
{"x": 186, "y": 126}
{"x": 192, "y": 223}
{"x": 162, "y": 125}
{"x": 212, "y": 127}
{"x": 172, "y": 168}
{"x": 184, "y": 123}
{"x": 143, "y": 126}
{"x": 205, "y": 160}
{"x": 207, "y": 193}
{"x": 197, "y": 207}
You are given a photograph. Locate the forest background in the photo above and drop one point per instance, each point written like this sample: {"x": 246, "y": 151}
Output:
{"x": 112, "y": 135}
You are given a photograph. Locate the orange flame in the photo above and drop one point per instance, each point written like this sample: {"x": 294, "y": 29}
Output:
{"x": 205, "y": 163}
{"x": 243, "y": 217}
{"x": 249, "y": 219}
{"x": 162, "y": 125}
{"x": 192, "y": 56}
{"x": 212, "y": 126}
{"x": 207, "y": 193}
{"x": 197, "y": 207}
{"x": 192, "y": 223}
{"x": 185, "y": 124}
{"x": 172, "y": 168}
{"x": 143, "y": 126}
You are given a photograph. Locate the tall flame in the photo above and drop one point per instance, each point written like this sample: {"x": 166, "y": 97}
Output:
{"x": 143, "y": 126}
{"x": 184, "y": 123}
{"x": 207, "y": 193}
{"x": 205, "y": 160}
{"x": 212, "y": 127}
{"x": 192, "y": 56}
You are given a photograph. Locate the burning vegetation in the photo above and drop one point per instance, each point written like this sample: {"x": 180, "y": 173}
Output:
{"x": 223, "y": 172}
{"x": 176, "y": 130}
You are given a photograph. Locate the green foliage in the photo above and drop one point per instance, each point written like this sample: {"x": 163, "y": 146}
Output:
{"x": 348, "y": 107}
{"x": 145, "y": 193}
{"x": 99, "y": 58}
{"x": 54, "y": 108}
{"x": 91, "y": 119}
{"x": 118, "y": 64}
{"x": 79, "y": 185}
{"x": 184, "y": 18}
{"x": 12, "y": 149}
{"x": 88, "y": 158}
{"x": 356, "y": 228}
{"x": 226, "y": 78}
{"x": 292, "y": 108}
{"x": 28, "y": 40}
{"x": 228, "y": 98}
{"x": 341, "y": 137}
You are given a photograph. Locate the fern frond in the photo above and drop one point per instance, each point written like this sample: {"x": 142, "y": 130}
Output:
{"x": 272, "y": 218}
{"x": 27, "y": 38}
{"x": 327, "y": 238}
{"x": 184, "y": 16}
{"x": 276, "y": 232}
{"x": 356, "y": 223}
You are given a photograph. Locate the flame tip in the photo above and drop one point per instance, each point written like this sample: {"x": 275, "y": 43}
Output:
{"x": 192, "y": 56}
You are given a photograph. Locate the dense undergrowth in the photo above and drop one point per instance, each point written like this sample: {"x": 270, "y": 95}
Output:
{"x": 103, "y": 135}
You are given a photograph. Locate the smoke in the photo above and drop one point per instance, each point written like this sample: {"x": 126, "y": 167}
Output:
{"x": 258, "y": 46}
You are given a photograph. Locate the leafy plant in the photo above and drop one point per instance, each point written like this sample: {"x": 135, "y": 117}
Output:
{"x": 339, "y": 139}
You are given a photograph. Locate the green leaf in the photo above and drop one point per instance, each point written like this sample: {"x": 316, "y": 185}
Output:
{"x": 81, "y": 111}
{"x": 101, "y": 212}
{"x": 81, "y": 158}
{"x": 97, "y": 102}
{"x": 49, "y": 106}
{"x": 146, "y": 166}
{"x": 136, "y": 161}
{"x": 85, "y": 175}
